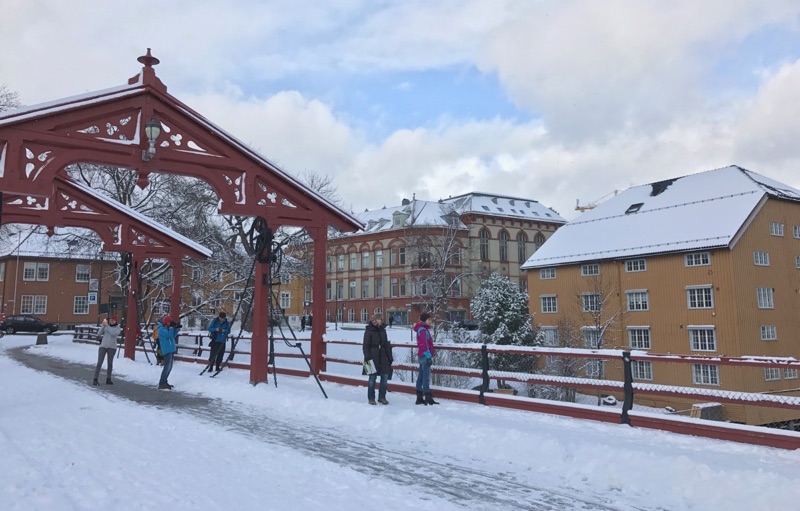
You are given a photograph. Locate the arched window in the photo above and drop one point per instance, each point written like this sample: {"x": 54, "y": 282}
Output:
{"x": 522, "y": 254}
{"x": 484, "y": 244}
{"x": 377, "y": 310}
{"x": 351, "y": 315}
{"x": 503, "y": 237}
{"x": 538, "y": 240}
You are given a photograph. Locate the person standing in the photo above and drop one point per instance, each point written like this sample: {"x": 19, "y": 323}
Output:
{"x": 167, "y": 335}
{"x": 219, "y": 330}
{"x": 425, "y": 354}
{"x": 108, "y": 335}
{"x": 377, "y": 348}
{"x": 303, "y": 322}
{"x": 391, "y": 320}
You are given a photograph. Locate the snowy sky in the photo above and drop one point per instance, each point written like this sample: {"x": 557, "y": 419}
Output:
{"x": 288, "y": 448}
{"x": 550, "y": 100}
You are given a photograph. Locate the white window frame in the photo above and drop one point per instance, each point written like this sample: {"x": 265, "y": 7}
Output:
{"x": 351, "y": 293}
{"x": 595, "y": 368}
{"x": 635, "y": 265}
{"x": 638, "y": 300}
{"x": 365, "y": 288}
{"x": 2, "y": 270}
{"x": 364, "y": 315}
{"x": 590, "y": 302}
{"x": 590, "y": 270}
{"x": 353, "y": 264}
{"x": 697, "y": 259}
{"x": 702, "y": 338}
{"x": 40, "y": 272}
{"x": 796, "y": 232}
{"x": 549, "y": 335}
{"x": 351, "y": 315}
{"x": 365, "y": 256}
{"x": 761, "y": 258}
{"x": 769, "y": 333}
{"x": 159, "y": 307}
{"x": 765, "y": 297}
{"x": 549, "y": 304}
{"x": 692, "y": 294}
{"x": 286, "y": 299}
{"x": 776, "y": 229}
{"x": 340, "y": 262}
{"x": 639, "y": 338}
{"x": 379, "y": 259}
{"x": 705, "y": 374}
{"x": 772, "y": 374}
{"x": 83, "y": 272}
{"x": 80, "y": 305}
{"x": 790, "y": 374}
{"x": 547, "y": 273}
{"x": 797, "y": 262}
{"x": 593, "y": 341}
{"x": 642, "y": 370}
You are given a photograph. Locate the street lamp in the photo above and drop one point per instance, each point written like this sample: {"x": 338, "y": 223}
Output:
{"x": 151, "y": 130}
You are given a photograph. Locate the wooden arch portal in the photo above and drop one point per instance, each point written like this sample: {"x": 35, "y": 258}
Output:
{"x": 109, "y": 128}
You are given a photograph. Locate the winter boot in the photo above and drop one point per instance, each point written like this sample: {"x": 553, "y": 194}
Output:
{"x": 372, "y": 402}
{"x": 420, "y": 401}
{"x": 429, "y": 399}
{"x": 109, "y": 382}
{"x": 383, "y": 401}
{"x": 163, "y": 386}
{"x": 95, "y": 382}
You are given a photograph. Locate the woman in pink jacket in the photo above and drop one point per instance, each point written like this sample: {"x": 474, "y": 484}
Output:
{"x": 425, "y": 353}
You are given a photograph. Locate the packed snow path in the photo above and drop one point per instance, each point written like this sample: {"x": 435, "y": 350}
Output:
{"x": 449, "y": 478}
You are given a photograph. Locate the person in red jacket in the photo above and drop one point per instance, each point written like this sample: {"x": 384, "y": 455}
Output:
{"x": 425, "y": 354}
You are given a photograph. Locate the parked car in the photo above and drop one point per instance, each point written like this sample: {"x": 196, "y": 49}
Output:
{"x": 468, "y": 324}
{"x": 26, "y": 323}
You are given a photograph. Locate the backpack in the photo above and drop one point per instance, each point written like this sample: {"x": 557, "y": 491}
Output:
{"x": 155, "y": 332}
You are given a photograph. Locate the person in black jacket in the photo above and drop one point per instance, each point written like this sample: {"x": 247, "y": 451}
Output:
{"x": 377, "y": 349}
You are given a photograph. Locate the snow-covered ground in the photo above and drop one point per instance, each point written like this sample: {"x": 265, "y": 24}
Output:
{"x": 69, "y": 446}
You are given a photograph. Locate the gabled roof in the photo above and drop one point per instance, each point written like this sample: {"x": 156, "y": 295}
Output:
{"x": 421, "y": 213}
{"x": 695, "y": 212}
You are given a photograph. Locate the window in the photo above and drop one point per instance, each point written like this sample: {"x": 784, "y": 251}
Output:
{"x": 364, "y": 260}
{"x": 330, "y": 264}
{"x": 401, "y": 256}
{"x": 364, "y": 289}
{"x": 705, "y": 374}
{"x": 776, "y": 228}
{"x": 591, "y": 337}
{"x": 80, "y": 305}
{"x": 339, "y": 290}
{"x": 352, "y": 292}
{"x": 36, "y": 271}
{"x": 761, "y": 258}
{"x": 698, "y": 259}
{"x": 455, "y": 287}
{"x": 328, "y": 291}
{"x": 549, "y": 303}
{"x": 353, "y": 261}
{"x": 340, "y": 262}
{"x": 701, "y": 297}
{"x": 364, "y": 315}
{"x": 33, "y": 304}
{"x": 351, "y": 315}
{"x": 82, "y": 273}
{"x": 197, "y": 273}
{"x": 523, "y": 284}
{"x": 424, "y": 260}
{"x": 590, "y": 269}
{"x": 503, "y": 238}
{"x": 633, "y": 208}
{"x": 796, "y": 264}
{"x": 307, "y": 293}
{"x": 377, "y": 310}
{"x": 639, "y": 338}
{"x": 637, "y": 300}
{"x": 2, "y": 270}
{"x": 402, "y": 282}
{"x": 286, "y": 299}
{"x": 765, "y": 297}
{"x": 772, "y": 374}
{"x": 702, "y": 338}
{"x": 549, "y": 335}
{"x": 797, "y": 231}
{"x": 642, "y": 370}
{"x": 378, "y": 288}
{"x": 790, "y": 374}
{"x": 632, "y": 265}
{"x": 538, "y": 240}
{"x": 455, "y": 256}
{"x": 591, "y": 302}
{"x": 393, "y": 289}
{"x": 522, "y": 254}
{"x": 595, "y": 368}
{"x": 769, "y": 333}
{"x": 379, "y": 259}
{"x": 484, "y": 245}
{"x": 159, "y": 307}
{"x": 547, "y": 273}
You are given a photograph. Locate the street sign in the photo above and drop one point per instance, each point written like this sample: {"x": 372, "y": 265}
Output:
{"x": 92, "y": 298}
{"x": 94, "y": 284}
{"x": 344, "y": 306}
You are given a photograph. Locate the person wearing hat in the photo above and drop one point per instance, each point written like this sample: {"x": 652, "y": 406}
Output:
{"x": 425, "y": 353}
{"x": 218, "y": 330}
{"x": 167, "y": 335}
{"x": 108, "y": 335}
{"x": 377, "y": 348}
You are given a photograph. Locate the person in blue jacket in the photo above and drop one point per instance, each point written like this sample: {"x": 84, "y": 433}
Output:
{"x": 167, "y": 338}
{"x": 219, "y": 330}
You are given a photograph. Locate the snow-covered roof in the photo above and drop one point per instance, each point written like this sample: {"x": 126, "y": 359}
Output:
{"x": 694, "y": 212}
{"x": 33, "y": 241}
{"x": 421, "y": 213}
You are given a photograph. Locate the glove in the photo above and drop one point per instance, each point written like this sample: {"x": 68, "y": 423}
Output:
{"x": 430, "y": 361}
{"x": 427, "y": 354}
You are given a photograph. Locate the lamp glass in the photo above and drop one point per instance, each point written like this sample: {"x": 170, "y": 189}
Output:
{"x": 152, "y": 130}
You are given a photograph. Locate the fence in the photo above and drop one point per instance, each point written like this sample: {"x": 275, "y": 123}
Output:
{"x": 746, "y": 399}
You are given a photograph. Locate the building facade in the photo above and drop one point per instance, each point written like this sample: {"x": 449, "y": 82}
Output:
{"x": 702, "y": 265}
{"x": 431, "y": 255}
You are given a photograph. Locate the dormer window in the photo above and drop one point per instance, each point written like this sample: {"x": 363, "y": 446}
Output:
{"x": 633, "y": 208}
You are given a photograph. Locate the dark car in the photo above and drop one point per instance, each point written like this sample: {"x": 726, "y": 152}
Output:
{"x": 26, "y": 323}
{"x": 468, "y": 324}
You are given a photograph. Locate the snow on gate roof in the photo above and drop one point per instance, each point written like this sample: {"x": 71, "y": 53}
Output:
{"x": 694, "y": 212}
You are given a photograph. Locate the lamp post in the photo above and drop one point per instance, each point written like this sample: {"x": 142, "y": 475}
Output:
{"x": 151, "y": 130}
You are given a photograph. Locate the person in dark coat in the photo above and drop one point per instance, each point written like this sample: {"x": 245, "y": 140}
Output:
{"x": 377, "y": 349}
{"x": 219, "y": 330}
{"x": 303, "y": 323}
